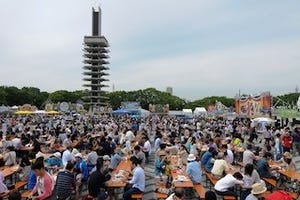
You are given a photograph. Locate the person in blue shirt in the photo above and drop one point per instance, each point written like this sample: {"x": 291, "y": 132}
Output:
{"x": 116, "y": 158}
{"x": 159, "y": 164}
{"x": 193, "y": 169}
{"x": 32, "y": 177}
{"x": 137, "y": 183}
{"x": 263, "y": 168}
{"x": 81, "y": 167}
{"x": 55, "y": 160}
{"x": 206, "y": 160}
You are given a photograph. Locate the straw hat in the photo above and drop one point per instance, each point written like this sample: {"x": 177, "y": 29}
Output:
{"x": 191, "y": 158}
{"x": 287, "y": 155}
{"x": 258, "y": 188}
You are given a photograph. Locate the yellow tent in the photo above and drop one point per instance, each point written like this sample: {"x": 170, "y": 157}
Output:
{"x": 23, "y": 112}
{"x": 52, "y": 112}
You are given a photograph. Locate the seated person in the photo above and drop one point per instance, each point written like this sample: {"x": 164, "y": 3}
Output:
{"x": 257, "y": 189}
{"x": 10, "y": 156}
{"x": 96, "y": 183}
{"x": 137, "y": 183}
{"x": 225, "y": 186}
{"x": 116, "y": 158}
{"x": 287, "y": 162}
{"x": 44, "y": 181}
{"x": 207, "y": 159}
{"x": 263, "y": 168}
{"x": 220, "y": 166}
{"x": 55, "y": 160}
{"x": 193, "y": 169}
{"x": 65, "y": 182}
{"x": 3, "y": 187}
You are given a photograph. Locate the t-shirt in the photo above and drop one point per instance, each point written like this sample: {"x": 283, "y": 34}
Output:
{"x": 96, "y": 181}
{"x": 65, "y": 183}
{"x": 229, "y": 157}
{"x": 220, "y": 166}
{"x": 251, "y": 197}
{"x": 248, "y": 157}
{"x": 226, "y": 182}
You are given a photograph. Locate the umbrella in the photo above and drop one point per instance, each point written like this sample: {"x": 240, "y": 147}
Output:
{"x": 263, "y": 120}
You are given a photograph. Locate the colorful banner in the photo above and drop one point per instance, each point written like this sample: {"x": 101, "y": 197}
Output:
{"x": 254, "y": 106}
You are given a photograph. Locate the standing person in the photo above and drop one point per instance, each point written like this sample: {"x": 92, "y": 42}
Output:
{"x": 193, "y": 169}
{"x": 140, "y": 155}
{"x": 157, "y": 142}
{"x": 225, "y": 186}
{"x": 296, "y": 141}
{"x": 287, "y": 141}
{"x": 137, "y": 183}
{"x": 96, "y": 183}
{"x": 65, "y": 183}
{"x": 278, "y": 146}
{"x": 267, "y": 135}
{"x": 146, "y": 148}
{"x": 44, "y": 182}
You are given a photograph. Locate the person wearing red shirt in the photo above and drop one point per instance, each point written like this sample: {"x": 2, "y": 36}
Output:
{"x": 287, "y": 141}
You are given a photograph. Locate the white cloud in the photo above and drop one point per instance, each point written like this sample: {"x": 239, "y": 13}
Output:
{"x": 268, "y": 66}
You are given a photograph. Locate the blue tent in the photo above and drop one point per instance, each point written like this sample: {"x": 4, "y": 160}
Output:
{"x": 121, "y": 112}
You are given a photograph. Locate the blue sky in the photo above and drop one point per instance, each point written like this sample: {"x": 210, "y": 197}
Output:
{"x": 200, "y": 48}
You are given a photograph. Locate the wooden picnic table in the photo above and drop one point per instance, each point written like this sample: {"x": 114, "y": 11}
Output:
{"x": 181, "y": 184}
{"x": 9, "y": 170}
{"x": 116, "y": 182}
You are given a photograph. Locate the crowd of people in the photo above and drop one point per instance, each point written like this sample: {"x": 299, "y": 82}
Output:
{"x": 59, "y": 155}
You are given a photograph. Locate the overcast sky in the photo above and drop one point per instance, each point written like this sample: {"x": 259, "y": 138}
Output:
{"x": 200, "y": 48}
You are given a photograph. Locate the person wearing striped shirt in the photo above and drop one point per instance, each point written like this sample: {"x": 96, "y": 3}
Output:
{"x": 65, "y": 183}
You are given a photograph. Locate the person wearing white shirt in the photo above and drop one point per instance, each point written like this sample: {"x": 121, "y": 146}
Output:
{"x": 146, "y": 148}
{"x": 248, "y": 155}
{"x": 225, "y": 185}
{"x": 67, "y": 156}
{"x": 130, "y": 135}
{"x": 137, "y": 183}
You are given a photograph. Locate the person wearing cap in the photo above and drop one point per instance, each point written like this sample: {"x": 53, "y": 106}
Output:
{"x": 137, "y": 183}
{"x": 55, "y": 160}
{"x": 106, "y": 160}
{"x": 193, "y": 169}
{"x": 81, "y": 168}
{"x": 220, "y": 166}
{"x": 257, "y": 189}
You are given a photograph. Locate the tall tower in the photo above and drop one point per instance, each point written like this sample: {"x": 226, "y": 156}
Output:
{"x": 95, "y": 60}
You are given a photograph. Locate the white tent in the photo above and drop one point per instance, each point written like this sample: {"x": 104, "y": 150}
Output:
{"x": 144, "y": 113}
{"x": 200, "y": 111}
{"x": 187, "y": 112}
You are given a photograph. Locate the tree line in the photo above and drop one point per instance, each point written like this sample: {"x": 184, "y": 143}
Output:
{"x": 10, "y": 95}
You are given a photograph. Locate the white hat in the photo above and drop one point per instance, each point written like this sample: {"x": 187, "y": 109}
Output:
{"x": 39, "y": 154}
{"x": 191, "y": 157}
{"x": 75, "y": 151}
{"x": 78, "y": 155}
{"x": 258, "y": 188}
{"x": 106, "y": 157}
{"x": 57, "y": 155}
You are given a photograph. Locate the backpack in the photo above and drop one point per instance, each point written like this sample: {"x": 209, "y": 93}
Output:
{"x": 279, "y": 195}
